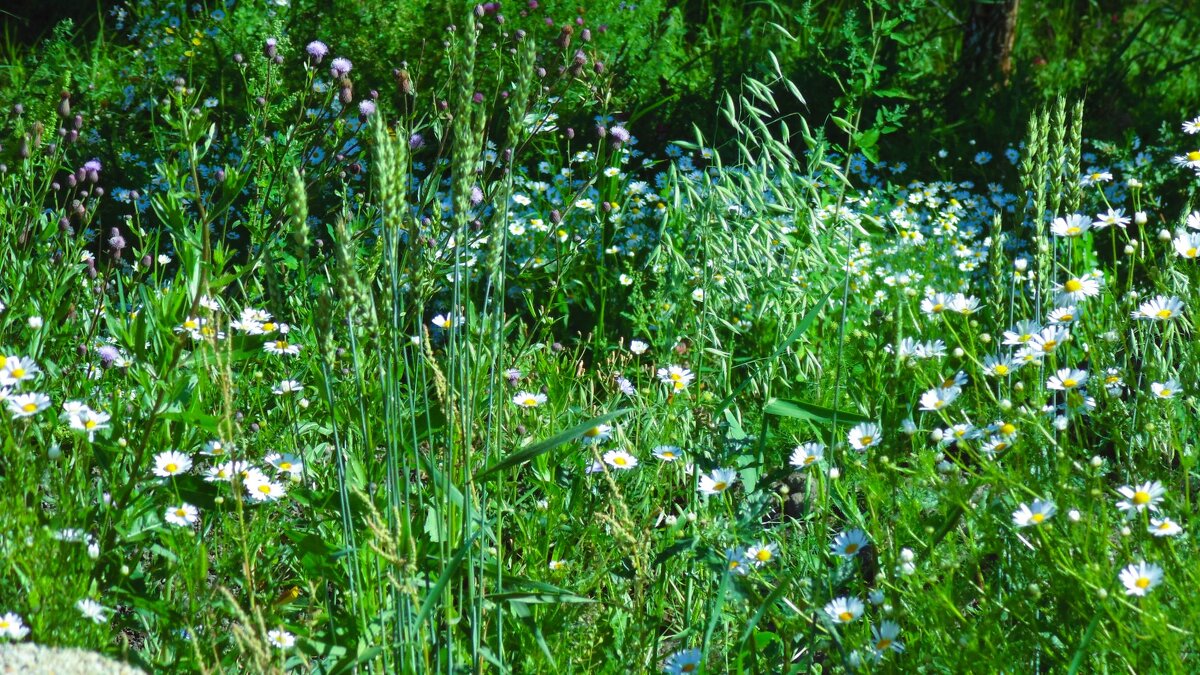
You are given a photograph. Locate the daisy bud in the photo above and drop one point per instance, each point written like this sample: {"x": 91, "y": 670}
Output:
{"x": 54, "y": 451}
{"x": 908, "y": 569}
{"x": 1164, "y": 235}
{"x": 1005, "y": 404}
{"x": 238, "y": 58}
{"x": 1140, "y": 218}
{"x": 1021, "y": 264}
{"x": 835, "y": 473}
{"x": 691, "y": 516}
{"x": 1019, "y": 386}
{"x": 304, "y": 403}
{"x": 1097, "y": 461}
{"x": 122, "y": 442}
{"x": 1125, "y": 532}
{"x": 985, "y": 338}
{"x": 936, "y": 435}
{"x": 958, "y": 352}
{"x": 35, "y": 322}
{"x": 1073, "y": 515}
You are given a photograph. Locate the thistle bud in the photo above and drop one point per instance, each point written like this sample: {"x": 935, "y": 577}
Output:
{"x": 64, "y": 105}
{"x": 270, "y": 48}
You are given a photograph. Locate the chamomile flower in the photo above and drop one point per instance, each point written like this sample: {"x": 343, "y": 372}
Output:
{"x": 676, "y": 376}
{"x": 90, "y": 421}
{"x": 807, "y": 454}
{"x": 762, "y": 553}
{"x": 936, "y": 303}
{"x": 865, "y": 435}
{"x": 1187, "y": 245}
{"x": 1112, "y": 218}
{"x": 1063, "y": 316}
{"x": 527, "y": 399}
{"x": 1077, "y": 289}
{"x": 183, "y": 515}
{"x": 844, "y": 609}
{"x": 683, "y": 662}
{"x": 1160, "y": 308}
{"x": 668, "y": 453}
{"x": 1164, "y": 527}
{"x": 281, "y": 347}
{"x": 1140, "y": 577}
{"x": 12, "y": 627}
{"x": 849, "y": 543}
{"x": 171, "y": 463}
{"x": 597, "y": 434}
{"x": 717, "y": 481}
{"x": 1165, "y": 390}
{"x": 638, "y": 347}
{"x": 937, "y": 399}
{"x": 286, "y": 463}
{"x": 1192, "y": 126}
{"x": 999, "y": 365}
{"x": 1074, "y": 225}
{"x": 619, "y": 459}
{"x": 736, "y": 562}
{"x": 1022, "y": 333}
{"x": 92, "y": 610}
{"x": 1034, "y": 514}
{"x": 1139, "y": 498}
{"x": 287, "y": 387}
{"x": 27, "y": 405}
{"x": 1190, "y": 159}
{"x": 883, "y": 637}
{"x": 556, "y": 565}
{"x": 1048, "y": 340}
{"x": 280, "y": 638}
{"x": 262, "y": 489}
{"x": 1066, "y": 378}
{"x": 17, "y": 369}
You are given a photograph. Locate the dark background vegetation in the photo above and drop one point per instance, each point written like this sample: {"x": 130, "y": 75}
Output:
{"x": 958, "y": 70}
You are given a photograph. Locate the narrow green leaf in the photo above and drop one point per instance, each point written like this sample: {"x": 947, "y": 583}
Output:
{"x": 541, "y": 447}
{"x": 810, "y": 412}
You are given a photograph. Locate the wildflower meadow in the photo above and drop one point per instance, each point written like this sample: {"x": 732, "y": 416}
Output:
{"x": 312, "y": 361}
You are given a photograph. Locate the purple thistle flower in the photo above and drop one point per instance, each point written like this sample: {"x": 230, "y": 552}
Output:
{"x": 270, "y": 48}
{"x": 619, "y": 134}
{"x": 476, "y": 195}
{"x": 416, "y": 141}
{"x": 317, "y": 51}
{"x": 340, "y": 67}
{"x": 108, "y": 355}
{"x": 365, "y": 109}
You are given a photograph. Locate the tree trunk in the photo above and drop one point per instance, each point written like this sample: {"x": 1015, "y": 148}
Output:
{"x": 988, "y": 36}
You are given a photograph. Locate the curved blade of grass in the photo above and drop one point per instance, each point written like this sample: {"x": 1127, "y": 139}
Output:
{"x": 541, "y": 447}
{"x": 1077, "y": 660}
{"x": 767, "y": 603}
{"x": 447, "y": 574}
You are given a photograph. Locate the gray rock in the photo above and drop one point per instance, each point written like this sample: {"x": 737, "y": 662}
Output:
{"x": 32, "y": 659}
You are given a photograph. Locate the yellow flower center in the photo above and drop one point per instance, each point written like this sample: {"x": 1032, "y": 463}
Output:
{"x": 29, "y": 407}
{"x": 688, "y": 668}
{"x": 592, "y": 433}
{"x": 1166, "y": 393}
{"x": 180, "y": 512}
{"x": 171, "y": 468}
{"x": 763, "y": 555}
{"x": 90, "y": 424}
{"x": 1001, "y": 369}
{"x": 285, "y": 466}
{"x": 720, "y": 485}
{"x": 620, "y": 461}
{"x": 846, "y": 616}
{"x": 810, "y": 459}
{"x": 1141, "y": 497}
{"x": 1008, "y": 428}
{"x": 18, "y": 372}
{"x": 676, "y": 376}
{"x": 938, "y": 307}
{"x": 264, "y": 488}
{"x": 1049, "y": 345}
{"x": 852, "y": 548}
{"x": 1164, "y": 314}
{"x": 1165, "y": 525}
{"x": 883, "y": 644}
{"x": 1142, "y": 582}
{"x": 668, "y": 455}
{"x": 1073, "y": 230}
{"x": 268, "y": 326}
{"x": 866, "y": 440}
{"x": 1191, "y": 252}
{"x": 1038, "y": 517}
{"x": 1194, "y": 156}
{"x": 281, "y": 344}
{"x": 1073, "y": 286}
